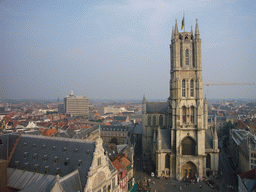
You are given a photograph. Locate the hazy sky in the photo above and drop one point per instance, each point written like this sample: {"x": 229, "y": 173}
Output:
{"x": 120, "y": 49}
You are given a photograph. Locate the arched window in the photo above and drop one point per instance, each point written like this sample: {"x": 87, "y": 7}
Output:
{"x": 184, "y": 115}
{"x": 187, "y": 57}
{"x": 188, "y": 146}
{"x": 149, "y": 120}
{"x": 183, "y": 88}
{"x": 192, "y": 88}
{"x": 161, "y": 120}
{"x": 208, "y": 161}
{"x": 192, "y": 117}
{"x": 154, "y": 120}
{"x": 167, "y": 161}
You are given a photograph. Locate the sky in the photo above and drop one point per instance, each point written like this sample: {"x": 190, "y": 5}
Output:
{"x": 120, "y": 49}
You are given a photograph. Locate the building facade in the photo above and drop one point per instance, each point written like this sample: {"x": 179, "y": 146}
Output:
{"x": 178, "y": 128}
{"x": 77, "y": 105}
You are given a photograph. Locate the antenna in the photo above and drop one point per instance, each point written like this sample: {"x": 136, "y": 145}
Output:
{"x": 71, "y": 93}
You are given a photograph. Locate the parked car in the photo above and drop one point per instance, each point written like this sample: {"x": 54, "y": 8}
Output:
{"x": 152, "y": 174}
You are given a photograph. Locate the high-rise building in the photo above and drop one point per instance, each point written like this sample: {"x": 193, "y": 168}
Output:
{"x": 183, "y": 145}
{"x": 76, "y": 105}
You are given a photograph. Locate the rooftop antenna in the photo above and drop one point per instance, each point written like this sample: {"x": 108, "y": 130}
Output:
{"x": 71, "y": 93}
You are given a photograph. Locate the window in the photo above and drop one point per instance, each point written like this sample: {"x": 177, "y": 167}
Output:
{"x": 192, "y": 88}
{"x": 149, "y": 120}
{"x": 46, "y": 170}
{"x": 161, "y": 121}
{"x": 65, "y": 148}
{"x": 183, "y": 88}
{"x": 25, "y": 155}
{"x": 55, "y": 159}
{"x": 187, "y": 57}
{"x": 99, "y": 161}
{"x": 154, "y": 120}
{"x": 66, "y": 162}
{"x": 167, "y": 161}
{"x": 188, "y": 146}
{"x": 79, "y": 163}
{"x": 208, "y": 161}
{"x": 35, "y": 156}
{"x": 184, "y": 114}
{"x": 192, "y": 117}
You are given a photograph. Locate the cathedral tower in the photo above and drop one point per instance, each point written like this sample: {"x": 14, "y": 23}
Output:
{"x": 186, "y": 105}
{"x": 175, "y": 133}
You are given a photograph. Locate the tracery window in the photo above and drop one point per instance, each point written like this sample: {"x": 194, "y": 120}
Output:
{"x": 154, "y": 120}
{"x": 187, "y": 57}
{"x": 149, "y": 120}
{"x": 188, "y": 146}
{"x": 161, "y": 120}
{"x": 183, "y": 88}
{"x": 192, "y": 117}
{"x": 184, "y": 115}
{"x": 192, "y": 88}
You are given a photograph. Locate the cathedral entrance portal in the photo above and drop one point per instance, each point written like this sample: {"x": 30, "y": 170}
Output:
{"x": 189, "y": 169}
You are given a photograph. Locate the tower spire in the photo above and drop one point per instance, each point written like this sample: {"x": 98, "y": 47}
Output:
{"x": 197, "y": 29}
{"x": 172, "y": 32}
{"x": 176, "y": 28}
{"x": 192, "y": 32}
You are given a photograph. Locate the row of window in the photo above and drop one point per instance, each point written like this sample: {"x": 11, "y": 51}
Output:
{"x": 109, "y": 139}
{"x": 191, "y": 88}
{"x": 161, "y": 120}
{"x": 253, "y": 155}
{"x": 114, "y": 129}
{"x": 113, "y": 134}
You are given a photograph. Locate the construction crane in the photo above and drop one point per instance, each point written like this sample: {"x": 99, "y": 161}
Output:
{"x": 217, "y": 84}
{"x": 223, "y": 83}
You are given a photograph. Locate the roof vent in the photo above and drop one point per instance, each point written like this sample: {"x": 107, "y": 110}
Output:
{"x": 57, "y": 170}
{"x": 34, "y": 145}
{"x": 54, "y": 147}
{"x": 44, "y": 146}
{"x": 25, "y": 144}
{"x": 79, "y": 163}
{"x": 45, "y": 158}
{"x": 76, "y": 150}
{"x": 88, "y": 151}
{"x": 65, "y": 148}
{"x": 66, "y": 162}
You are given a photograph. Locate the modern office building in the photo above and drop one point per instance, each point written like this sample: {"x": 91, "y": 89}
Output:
{"x": 76, "y": 105}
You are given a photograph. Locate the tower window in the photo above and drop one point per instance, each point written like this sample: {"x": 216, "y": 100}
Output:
{"x": 154, "y": 120}
{"x": 184, "y": 115}
{"x": 192, "y": 88}
{"x": 192, "y": 115}
{"x": 187, "y": 57}
{"x": 161, "y": 120}
{"x": 149, "y": 120}
{"x": 183, "y": 88}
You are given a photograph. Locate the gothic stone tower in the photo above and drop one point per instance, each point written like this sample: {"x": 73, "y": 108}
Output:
{"x": 187, "y": 110}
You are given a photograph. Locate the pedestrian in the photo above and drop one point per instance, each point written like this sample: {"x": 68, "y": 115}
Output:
{"x": 200, "y": 186}
{"x": 185, "y": 186}
{"x": 180, "y": 188}
{"x": 175, "y": 185}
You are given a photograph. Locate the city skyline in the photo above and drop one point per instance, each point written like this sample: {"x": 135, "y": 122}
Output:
{"x": 120, "y": 50}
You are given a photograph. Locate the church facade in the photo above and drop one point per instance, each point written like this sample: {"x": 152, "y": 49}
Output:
{"x": 176, "y": 136}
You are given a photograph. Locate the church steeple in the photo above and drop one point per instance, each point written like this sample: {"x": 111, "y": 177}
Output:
{"x": 172, "y": 32}
{"x": 176, "y": 31}
{"x": 197, "y": 34}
